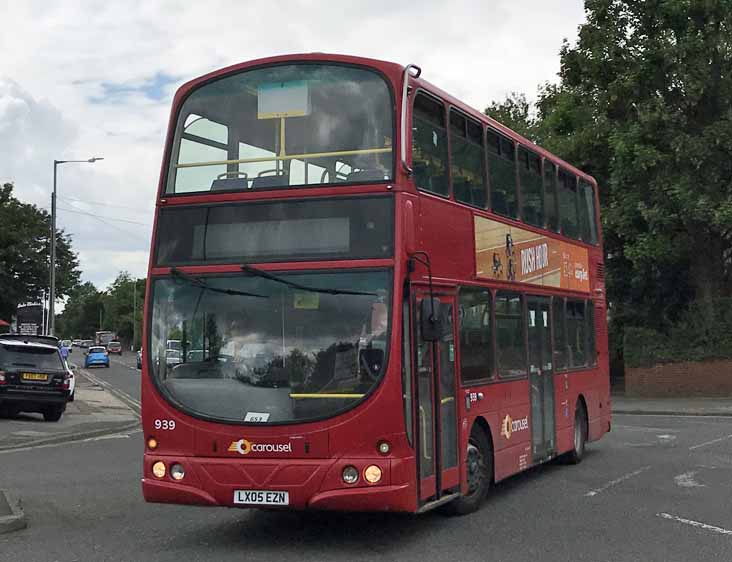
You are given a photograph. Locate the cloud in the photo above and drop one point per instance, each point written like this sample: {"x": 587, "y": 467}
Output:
{"x": 97, "y": 79}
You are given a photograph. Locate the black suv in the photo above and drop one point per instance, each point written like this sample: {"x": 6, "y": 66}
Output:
{"x": 33, "y": 378}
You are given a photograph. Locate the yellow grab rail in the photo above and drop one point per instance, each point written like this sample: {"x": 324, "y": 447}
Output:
{"x": 297, "y": 396}
{"x": 288, "y": 157}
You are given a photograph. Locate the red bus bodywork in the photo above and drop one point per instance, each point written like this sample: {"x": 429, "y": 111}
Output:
{"x": 311, "y": 473}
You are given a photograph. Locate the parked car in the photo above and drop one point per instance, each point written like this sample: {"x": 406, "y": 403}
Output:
{"x": 48, "y": 340}
{"x": 139, "y": 358}
{"x": 114, "y": 347}
{"x": 34, "y": 378}
{"x": 96, "y": 356}
{"x": 85, "y": 344}
{"x": 72, "y": 383}
{"x": 173, "y": 357}
{"x": 76, "y": 343}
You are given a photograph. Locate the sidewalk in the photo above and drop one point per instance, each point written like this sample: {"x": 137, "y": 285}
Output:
{"x": 94, "y": 412}
{"x": 672, "y": 406}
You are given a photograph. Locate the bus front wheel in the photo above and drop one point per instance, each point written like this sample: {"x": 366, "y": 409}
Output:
{"x": 479, "y": 473}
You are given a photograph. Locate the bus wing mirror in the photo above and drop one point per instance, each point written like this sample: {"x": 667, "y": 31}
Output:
{"x": 430, "y": 319}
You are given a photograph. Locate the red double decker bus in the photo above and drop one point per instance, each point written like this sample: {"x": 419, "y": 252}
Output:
{"x": 384, "y": 299}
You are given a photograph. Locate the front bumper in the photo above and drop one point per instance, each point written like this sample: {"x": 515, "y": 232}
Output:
{"x": 311, "y": 483}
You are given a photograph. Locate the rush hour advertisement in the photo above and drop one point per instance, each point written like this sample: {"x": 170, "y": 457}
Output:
{"x": 507, "y": 253}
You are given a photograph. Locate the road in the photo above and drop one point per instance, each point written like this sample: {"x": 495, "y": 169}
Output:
{"x": 656, "y": 488}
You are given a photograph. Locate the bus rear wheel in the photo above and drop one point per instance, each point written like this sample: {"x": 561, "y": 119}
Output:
{"x": 579, "y": 439}
{"x": 479, "y": 473}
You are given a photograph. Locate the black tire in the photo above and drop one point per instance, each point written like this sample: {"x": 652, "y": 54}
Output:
{"x": 106, "y": 366}
{"x": 479, "y": 471}
{"x": 579, "y": 434}
{"x": 72, "y": 396}
{"x": 53, "y": 413}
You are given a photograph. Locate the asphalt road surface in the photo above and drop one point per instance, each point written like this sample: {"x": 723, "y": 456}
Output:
{"x": 656, "y": 488}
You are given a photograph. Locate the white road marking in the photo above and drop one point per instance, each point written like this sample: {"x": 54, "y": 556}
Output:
{"x": 111, "y": 388}
{"x": 641, "y": 428}
{"x": 686, "y": 480}
{"x": 616, "y": 481}
{"x": 710, "y": 442}
{"x": 693, "y": 523}
{"x": 697, "y": 417}
{"x": 111, "y": 436}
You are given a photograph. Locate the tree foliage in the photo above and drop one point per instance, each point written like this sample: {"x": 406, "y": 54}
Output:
{"x": 25, "y": 235}
{"x": 89, "y": 310}
{"x": 644, "y": 103}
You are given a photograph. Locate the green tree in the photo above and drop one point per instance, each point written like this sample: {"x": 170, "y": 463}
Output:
{"x": 24, "y": 254}
{"x": 515, "y": 113}
{"x": 80, "y": 318}
{"x": 118, "y": 308}
{"x": 644, "y": 104}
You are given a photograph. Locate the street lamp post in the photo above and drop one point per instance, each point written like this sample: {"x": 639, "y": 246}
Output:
{"x": 52, "y": 291}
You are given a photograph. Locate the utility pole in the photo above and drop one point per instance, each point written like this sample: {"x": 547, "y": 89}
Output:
{"x": 134, "y": 315}
{"x": 52, "y": 292}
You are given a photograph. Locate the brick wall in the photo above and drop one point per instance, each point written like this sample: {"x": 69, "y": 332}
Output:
{"x": 705, "y": 378}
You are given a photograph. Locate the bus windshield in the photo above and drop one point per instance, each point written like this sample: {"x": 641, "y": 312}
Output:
{"x": 270, "y": 350}
{"x": 281, "y": 126}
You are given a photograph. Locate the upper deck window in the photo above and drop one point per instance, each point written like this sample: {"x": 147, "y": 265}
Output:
{"x": 531, "y": 187}
{"x": 568, "y": 204}
{"x": 502, "y": 174}
{"x": 467, "y": 162}
{"x": 429, "y": 146}
{"x": 282, "y": 126}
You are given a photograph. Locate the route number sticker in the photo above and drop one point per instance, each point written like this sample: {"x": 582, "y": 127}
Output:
{"x": 257, "y": 417}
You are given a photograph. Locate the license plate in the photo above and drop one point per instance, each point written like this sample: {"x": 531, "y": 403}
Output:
{"x": 261, "y": 497}
{"x": 33, "y": 377}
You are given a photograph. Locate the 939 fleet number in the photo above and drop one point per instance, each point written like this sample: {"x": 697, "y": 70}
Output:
{"x": 167, "y": 425}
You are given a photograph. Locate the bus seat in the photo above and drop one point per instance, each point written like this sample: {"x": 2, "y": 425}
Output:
{"x": 366, "y": 175}
{"x": 498, "y": 202}
{"x": 270, "y": 181}
{"x": 461, "y": 189}
{"x": 226, "y": 184}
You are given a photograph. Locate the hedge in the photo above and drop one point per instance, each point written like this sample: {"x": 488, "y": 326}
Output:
{"x": 690, "y": 339}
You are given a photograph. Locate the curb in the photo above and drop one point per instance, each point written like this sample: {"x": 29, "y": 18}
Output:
{"x": 16, "y": 520}
{"x": 672, "y": 413}
{"x": 71, "y": 437}
{"x": 125, "y": 398}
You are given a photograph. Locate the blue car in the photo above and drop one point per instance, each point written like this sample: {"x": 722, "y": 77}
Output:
{"x": 96, "y": 357}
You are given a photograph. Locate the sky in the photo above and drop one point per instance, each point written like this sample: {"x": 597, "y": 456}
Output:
{"x": 95, "y": 78}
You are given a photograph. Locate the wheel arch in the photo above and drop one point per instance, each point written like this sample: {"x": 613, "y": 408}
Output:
{"x": 483, "y": 424}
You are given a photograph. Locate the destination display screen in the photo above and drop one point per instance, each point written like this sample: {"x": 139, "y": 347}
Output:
{"x": 317, "y": 229}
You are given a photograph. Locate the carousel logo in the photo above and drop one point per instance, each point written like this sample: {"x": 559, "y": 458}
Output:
{"x": 244, "y": 447}
{"x": 509, "y": 426}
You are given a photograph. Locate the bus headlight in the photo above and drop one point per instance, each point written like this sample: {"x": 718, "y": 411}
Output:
{"x": 372, "y": 474}
{"x": 177, "y": 472}
{"x": 158, "y": 469}
{"x": 350, "y": 475}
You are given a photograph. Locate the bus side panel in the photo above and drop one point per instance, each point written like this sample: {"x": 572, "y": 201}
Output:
{"x": 592, "y": 385}
{"x": 505, "y": 407}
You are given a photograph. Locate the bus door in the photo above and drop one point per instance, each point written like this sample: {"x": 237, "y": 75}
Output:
{"x": 541, "y": 379}
{"x": 437, "y": 431}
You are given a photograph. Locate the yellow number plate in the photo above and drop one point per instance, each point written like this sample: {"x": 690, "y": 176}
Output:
{"x": 33, "y": 377}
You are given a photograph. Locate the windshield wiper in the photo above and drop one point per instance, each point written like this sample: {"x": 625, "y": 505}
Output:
{"x": 266, "y": 275}
{"x": 201, "y": 284}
